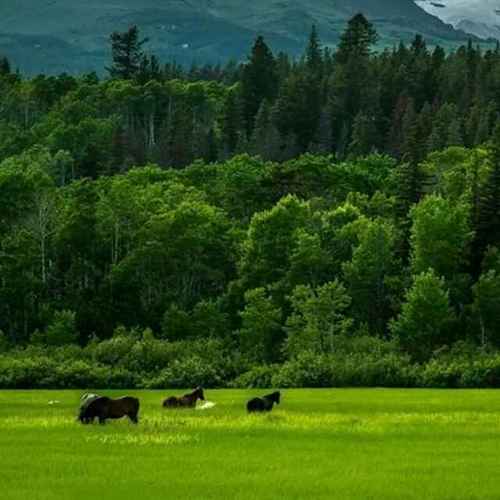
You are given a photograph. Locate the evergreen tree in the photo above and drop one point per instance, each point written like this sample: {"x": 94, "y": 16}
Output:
{"x": 4, "y": 66}
{"x": 455, "y": 133}
{"x": 351, "y": 90}
{"x": 357, "y": 40}
{"x": 364, "y": 135}
{"x": 314, "y": 55}
{"x": 127, "y": 54}
{"x": 232, "y": 122}
{"x": 322, "y": 141}
{"x": 265, "y": 140}
{"x": 258, "y": 82}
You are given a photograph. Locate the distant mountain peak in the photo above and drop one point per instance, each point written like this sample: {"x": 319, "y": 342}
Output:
{"x": 478, "y": 17}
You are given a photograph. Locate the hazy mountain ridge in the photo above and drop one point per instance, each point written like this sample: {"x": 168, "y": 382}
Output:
{"x": 59, "y": 35}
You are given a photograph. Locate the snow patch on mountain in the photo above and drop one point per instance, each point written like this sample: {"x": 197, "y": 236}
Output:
{"x": 478, "y": 17}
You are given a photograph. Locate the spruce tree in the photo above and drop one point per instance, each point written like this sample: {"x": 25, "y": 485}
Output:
{"x": 127, "y": 54}
{"x": 4, "y": 66}
{"x": 259, "y": 81}
{"x": 261, "y": 128}
{"x": 322, "y": 142}
{"x": 232, "y": 123}
{"x": 455, "y": 133}
{"x": 357, "y": 39}
{"x": 364, "y": 135}
{"x": 314, "y": 56}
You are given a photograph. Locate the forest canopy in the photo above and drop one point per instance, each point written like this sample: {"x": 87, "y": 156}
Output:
{"x": 274, "y": 220}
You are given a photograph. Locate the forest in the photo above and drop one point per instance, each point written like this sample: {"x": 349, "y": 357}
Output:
{"x": 332, "y": 220}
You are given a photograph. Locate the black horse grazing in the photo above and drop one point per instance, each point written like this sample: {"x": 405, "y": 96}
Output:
{"x": 263, "y": 404}
{"x": 186, "y": 401}
{"x": 85, "y": 400}
{"x": 104, "y": 408}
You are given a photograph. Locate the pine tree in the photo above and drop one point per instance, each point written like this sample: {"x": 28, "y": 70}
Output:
{"x": 357, "y": 39}
{"x": 211, "y": 150}
{"x": 322, "y": 142}
{"x": 364, "y": 135}
{"x": 455, "y": 133}
{"x": 4, "y": 66}
{"x": 410, "y": 146}
{"x": 314, "y": 56}
{"x": 127, "y": 54}
{"x": 261, "y": 129}
{"x": 259, "y": 81}
{"x": 483, "y": 129}
{"x": 395, "y": 137}
{"x": 232, "y": 123}
{"x": 351, "y": 89}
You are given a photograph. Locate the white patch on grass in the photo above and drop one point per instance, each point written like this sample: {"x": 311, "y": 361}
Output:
{"x": 206, "y": 405}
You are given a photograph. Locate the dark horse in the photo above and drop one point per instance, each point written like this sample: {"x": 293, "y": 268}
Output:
{"x": 104, "y": 408}
{"x": 263, "y": 404}
{"x": 186, "y": 401}
{"x": 85, "y": 400}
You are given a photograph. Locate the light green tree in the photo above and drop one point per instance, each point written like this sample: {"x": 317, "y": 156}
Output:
{"x": 486, "y": 307}
{"x": 423, "y": 324}
{"x": 369, "y": 273}
{"x": 261, "y": 331}
{"x": 319, "y": 314}
{"x": 440, "y": 236}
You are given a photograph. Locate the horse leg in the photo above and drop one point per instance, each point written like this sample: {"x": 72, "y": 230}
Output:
{"x": 102, "y": 420}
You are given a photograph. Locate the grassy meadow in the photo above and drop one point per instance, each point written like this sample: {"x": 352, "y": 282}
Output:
{"x": 346, "y": 444}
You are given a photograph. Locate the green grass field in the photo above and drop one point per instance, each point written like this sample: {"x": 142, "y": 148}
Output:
{"x": 344, "y": 444}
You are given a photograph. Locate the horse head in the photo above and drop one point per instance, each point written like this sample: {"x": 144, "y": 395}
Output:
{"x": 275, "y": 397}
{"x": 199, "y": 393}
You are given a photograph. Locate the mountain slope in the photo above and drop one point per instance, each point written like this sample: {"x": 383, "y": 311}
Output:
{"x": 479, "y": 17}
{"x": 72, "y": 35}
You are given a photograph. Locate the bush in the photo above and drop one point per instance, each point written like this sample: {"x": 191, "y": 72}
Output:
{"x": 43, "y": 372}
{"x": 259, "y": 377}
{"x": 135, "y": 359}
{"x": 465, "y": 372}
{"x": 306, "y": 370}
{"x": 189, "y": 372}
{"x": 353, "y": 370}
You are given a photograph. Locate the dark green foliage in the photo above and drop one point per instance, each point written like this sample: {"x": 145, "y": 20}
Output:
{"x": 4, "y": 66}
{"x": 425, "y": 321}
{"x": 357, "y": 40}
{"x": 488, "y": 220}
{"x": 62, "y": 329}
{"x": 128, "y": 59}
{"x": 259, "y": 81}
{"x": 246, "y": 225}
{"x": 314, "y": 56}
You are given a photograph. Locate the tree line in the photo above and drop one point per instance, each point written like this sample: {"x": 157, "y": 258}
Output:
{"x": 406, "y": 102}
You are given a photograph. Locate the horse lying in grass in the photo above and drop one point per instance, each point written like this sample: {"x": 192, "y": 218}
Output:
{"x": 104, "y": 408}
{"x": 264, "y": 404}
{"x": 186, "y": 401}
